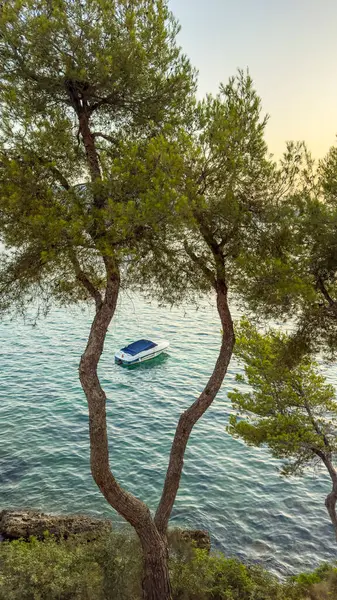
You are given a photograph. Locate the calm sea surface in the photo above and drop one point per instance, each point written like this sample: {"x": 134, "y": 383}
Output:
{"x": 228, "y": 488}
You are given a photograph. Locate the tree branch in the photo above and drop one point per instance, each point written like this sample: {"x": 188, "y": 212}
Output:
{"x": 190, "y": 417}
{"x": 60, "y": 177}
{"x": 84, "y": 279}
{"x": 130, "y": 507}
{"x": 315, "y": 425}
{"x": 320, "y": 285}
{"x": 56, "y": 172}
{"x": 80, "y": 105}
{"x": 199, "y": 261}
{"x": 111, "y": 99}
{"x": 109, "y": 138}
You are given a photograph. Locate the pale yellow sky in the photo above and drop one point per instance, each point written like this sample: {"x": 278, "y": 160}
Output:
{"x": 290, "y": 48}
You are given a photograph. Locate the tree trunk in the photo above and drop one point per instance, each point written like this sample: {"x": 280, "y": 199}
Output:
{"x": 330, "y": 503}
{"x": 331, "y": 499}
{"x": 90, "y": 147}
{"x": 189, "y": 418}
{"x": 156, "y": 582}
{"x": 131, "y": 508}
{"x": 156, "y": 578}
{"x": 152, "y": 533}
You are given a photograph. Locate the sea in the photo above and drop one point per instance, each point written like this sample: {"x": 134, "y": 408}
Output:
{"x": 232, "y": 490}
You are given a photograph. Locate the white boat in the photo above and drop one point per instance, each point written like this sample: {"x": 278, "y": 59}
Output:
{"x": 140, "y": 351}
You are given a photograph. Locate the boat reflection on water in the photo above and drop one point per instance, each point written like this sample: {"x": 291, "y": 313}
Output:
{"x": 149, "y": 364}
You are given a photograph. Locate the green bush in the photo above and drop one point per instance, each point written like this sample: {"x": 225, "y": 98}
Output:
{"x": 119, "y": 557}
{"x": 109, "y": 568}
{"x": 104, "y": 569}
{"x": 48, "y": 571}
{"x": 214, "y": 577}
{"x": 321, "y": 584}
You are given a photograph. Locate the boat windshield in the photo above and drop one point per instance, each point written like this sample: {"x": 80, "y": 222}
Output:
{"x": 138, "y": 346}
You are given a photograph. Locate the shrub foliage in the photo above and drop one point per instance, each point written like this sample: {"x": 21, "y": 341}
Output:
{"x": 109, "y": 568}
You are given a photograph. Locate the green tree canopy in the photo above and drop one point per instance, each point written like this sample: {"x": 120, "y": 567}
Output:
{"x": 290, "y": 270}
{"x": 91, "y": 94}
{"x": 110, "y": 174}
{"x": 228, "y": 182}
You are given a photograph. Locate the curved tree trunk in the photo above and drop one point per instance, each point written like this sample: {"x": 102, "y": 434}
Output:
{"x": 331, "y": 499}
{"x": 189, "y": 418}
{"x": 151, "y": 532}
{"x": 330, "y": 503}
{"x": 156, "y": 583}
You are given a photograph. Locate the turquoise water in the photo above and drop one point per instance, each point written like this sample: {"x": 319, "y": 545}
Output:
{"x": 230, "y": 489}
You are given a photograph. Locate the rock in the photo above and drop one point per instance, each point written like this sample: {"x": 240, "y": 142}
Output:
{"x": 22, "y": 524}
{"x": 15, "y": 524}
{"x": 199, "y": 537}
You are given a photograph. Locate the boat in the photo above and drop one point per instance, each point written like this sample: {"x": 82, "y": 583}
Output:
{"x": 140, "y": 351}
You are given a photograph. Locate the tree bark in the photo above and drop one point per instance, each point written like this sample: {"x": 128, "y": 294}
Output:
{"x": 90, "y": 147}
{"x": 132, "y": 509}
{"x": 156, "y": 577}
{"x": 189, "y": 418}
{"x": 331, "y": 499}
{"x": 330, "y": 503}
{"x": 80, "y": 105}
{"x": 152, "y": 533}
{"x": 156, "y": 583}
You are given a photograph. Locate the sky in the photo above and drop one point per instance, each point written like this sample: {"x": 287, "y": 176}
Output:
{"x": 290, "y": 49}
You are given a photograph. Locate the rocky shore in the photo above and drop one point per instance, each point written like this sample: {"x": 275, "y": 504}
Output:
{"x": 21, "y": 524}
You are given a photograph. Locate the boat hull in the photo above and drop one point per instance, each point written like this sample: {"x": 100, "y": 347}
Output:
{"x": 123, "y": 358}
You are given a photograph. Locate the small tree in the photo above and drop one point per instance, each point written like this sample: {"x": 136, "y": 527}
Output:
{"x": 290, "y": 409}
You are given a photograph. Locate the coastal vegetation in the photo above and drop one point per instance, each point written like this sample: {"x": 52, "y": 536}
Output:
{"x": 109, "y": 568}
{"x": 289, "y": 274}
{"x": 113, "y": 176}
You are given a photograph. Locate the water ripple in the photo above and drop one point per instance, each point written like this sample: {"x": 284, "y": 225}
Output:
{"x": 231, "y": 490}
